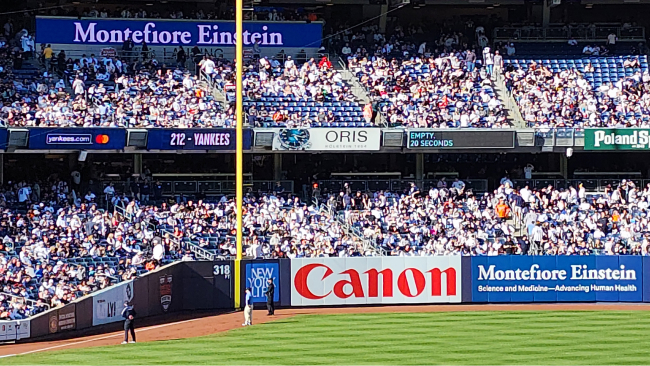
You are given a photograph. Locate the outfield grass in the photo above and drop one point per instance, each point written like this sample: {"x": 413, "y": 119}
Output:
{"x": 533, "y": 338}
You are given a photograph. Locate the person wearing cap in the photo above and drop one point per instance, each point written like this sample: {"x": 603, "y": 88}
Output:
{"x": 270, "y": 291}
{"x": 128, "y": 313}
{"x": 248, "y": 309}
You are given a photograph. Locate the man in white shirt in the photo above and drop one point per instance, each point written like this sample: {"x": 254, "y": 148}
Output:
{"x": 346, "y": 51}
{"x": 528, "y": 171}
{"x": 23, "y": 194}
{"x": 90, "y": 196}
{"x": 611, "y": 42}
{"x": 459, "y": 185}
{"x": 207, "y": 66}
{"x": 78, "y": 86}
{"x": 76, "y": 177}
{"x": 422, "y": 49}
{"x": 288, "y": 64}
{"x": 488, "y": 58}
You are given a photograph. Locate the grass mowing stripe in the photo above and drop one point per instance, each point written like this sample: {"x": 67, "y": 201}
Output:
{"x": 547, "y": 337}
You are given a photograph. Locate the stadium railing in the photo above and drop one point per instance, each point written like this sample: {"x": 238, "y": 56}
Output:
{"x": 564, "y": 32}
{"x": 394, "y": 185}
{"x": 171, "y": 188}
{"x": 23, "y": 300}
{"x": 590, "y": 185}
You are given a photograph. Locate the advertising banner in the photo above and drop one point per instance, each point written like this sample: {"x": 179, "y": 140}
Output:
{"x": 108, "y": 304}
{"x": 617, "y": 139}
{"x": 328, "y": 139}
{"x": 63, "y": 319}
{"x": 7, "y": 330}
{"x": 257, "y": 275}
{"x": 378, "y": 280}
{"x": 456, "y": 139}
{"x": 23, "y": 329}
{"x": 557, "y": 278}
{"x": 196, "y": 139}
{"x": 3, "y": 138}
{"x": 77, "y": 138}
{"x": 174, "y": 33}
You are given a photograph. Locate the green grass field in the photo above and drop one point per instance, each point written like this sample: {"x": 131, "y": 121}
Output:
{"x": 533, "y": 338}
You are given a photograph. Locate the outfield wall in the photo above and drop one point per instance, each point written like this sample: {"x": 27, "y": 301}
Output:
{"x": 173, "y": 289}
{"x": 209, "y": 285}
{"x": 450, "y": 279}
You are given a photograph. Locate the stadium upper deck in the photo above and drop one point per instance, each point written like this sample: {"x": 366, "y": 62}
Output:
{"x": 398, "y": 79}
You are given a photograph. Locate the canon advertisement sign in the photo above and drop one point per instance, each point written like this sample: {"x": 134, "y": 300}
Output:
{"x": 385, "y": 280}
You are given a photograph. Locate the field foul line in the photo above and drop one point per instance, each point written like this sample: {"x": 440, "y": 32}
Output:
{"x": 100, "y": 338}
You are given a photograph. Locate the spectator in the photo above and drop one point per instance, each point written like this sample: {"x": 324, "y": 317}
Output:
{"x": 47, "y": 54}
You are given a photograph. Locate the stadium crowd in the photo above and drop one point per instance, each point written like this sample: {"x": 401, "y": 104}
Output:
{"x": 288, "y": 94}
{"x": 566, "y": 98}
{"x": 58, "y": 246}
{"x": 511, "y": 220}
{"x": 109, "y": 92}
{"x": 274, "y": 226}
{"x": 273, "y": 14}
{"x": 434, "y": 92}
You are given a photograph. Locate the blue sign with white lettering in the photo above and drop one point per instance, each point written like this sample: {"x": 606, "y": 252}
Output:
{"x": 196, "y": 139}
{"x": 557, "y": 278}
{"x": 3, "y": 138}
{"x": 77, "y": 138}
{"x": 174, "y": 33}
{"x": 257, "y": 274}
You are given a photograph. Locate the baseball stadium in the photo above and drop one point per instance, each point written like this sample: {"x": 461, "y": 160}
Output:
{"x": 339, "y": 182}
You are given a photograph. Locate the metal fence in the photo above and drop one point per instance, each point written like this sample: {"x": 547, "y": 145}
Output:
{"x": 564, "y": 32}
{"x": 170, "y": 188}
{"x": 395, "y": 185}
{"x": 23, "y": 300}
{"x": 590, "y": 185}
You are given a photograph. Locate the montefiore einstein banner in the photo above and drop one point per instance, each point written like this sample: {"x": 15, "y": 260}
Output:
{"x": 169, "y": 32}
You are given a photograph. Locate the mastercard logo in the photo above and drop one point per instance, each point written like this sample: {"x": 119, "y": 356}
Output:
{"x": 101, "y": 139}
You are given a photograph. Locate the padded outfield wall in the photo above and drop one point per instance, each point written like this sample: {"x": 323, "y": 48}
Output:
{"x": 453, "y": 279}
{"x": 209, "y": 285}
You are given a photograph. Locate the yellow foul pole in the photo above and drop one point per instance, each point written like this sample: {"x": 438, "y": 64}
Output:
{"x": 239, "y": 61}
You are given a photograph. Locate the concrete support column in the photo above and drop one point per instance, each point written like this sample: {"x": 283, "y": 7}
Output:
{"x": 419, "y": 169}
{"x": 137, "y": 163}
{"x": 546, "y": 13}
{"x": 2, "y": 168}
{"x": 277, "y": 167}
{"x": 383, "y": 18}
{"x": 564, "y": 166}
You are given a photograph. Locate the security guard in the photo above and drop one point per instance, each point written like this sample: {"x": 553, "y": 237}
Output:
{"x": 270, "y": 290}
{"x": 128, "y": 313}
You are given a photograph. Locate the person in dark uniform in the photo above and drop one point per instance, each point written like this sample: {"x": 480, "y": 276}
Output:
{"x": 128, "y": 313}
{"x": 270, "y": 291}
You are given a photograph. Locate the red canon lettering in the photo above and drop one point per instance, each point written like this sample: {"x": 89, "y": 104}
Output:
{"x": 406, "y": 286}
{"x": 300, "y": 282}
{"x": 436, "y": 281}
{"x": 403, "y": 285}
{"x": 355, "y": 282}
{"x": 373, "y": 282}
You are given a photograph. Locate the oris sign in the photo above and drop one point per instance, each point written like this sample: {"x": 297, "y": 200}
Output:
{"x": 385, "y": 280}
{"x": 327, "y": 139}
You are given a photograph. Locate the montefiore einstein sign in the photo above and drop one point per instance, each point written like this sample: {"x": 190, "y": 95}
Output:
{"x": 617, "y": 139}
{"x": 155, "y": 32}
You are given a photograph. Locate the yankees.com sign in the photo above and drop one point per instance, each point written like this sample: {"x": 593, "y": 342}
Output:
{"x": 385, "y": 280}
